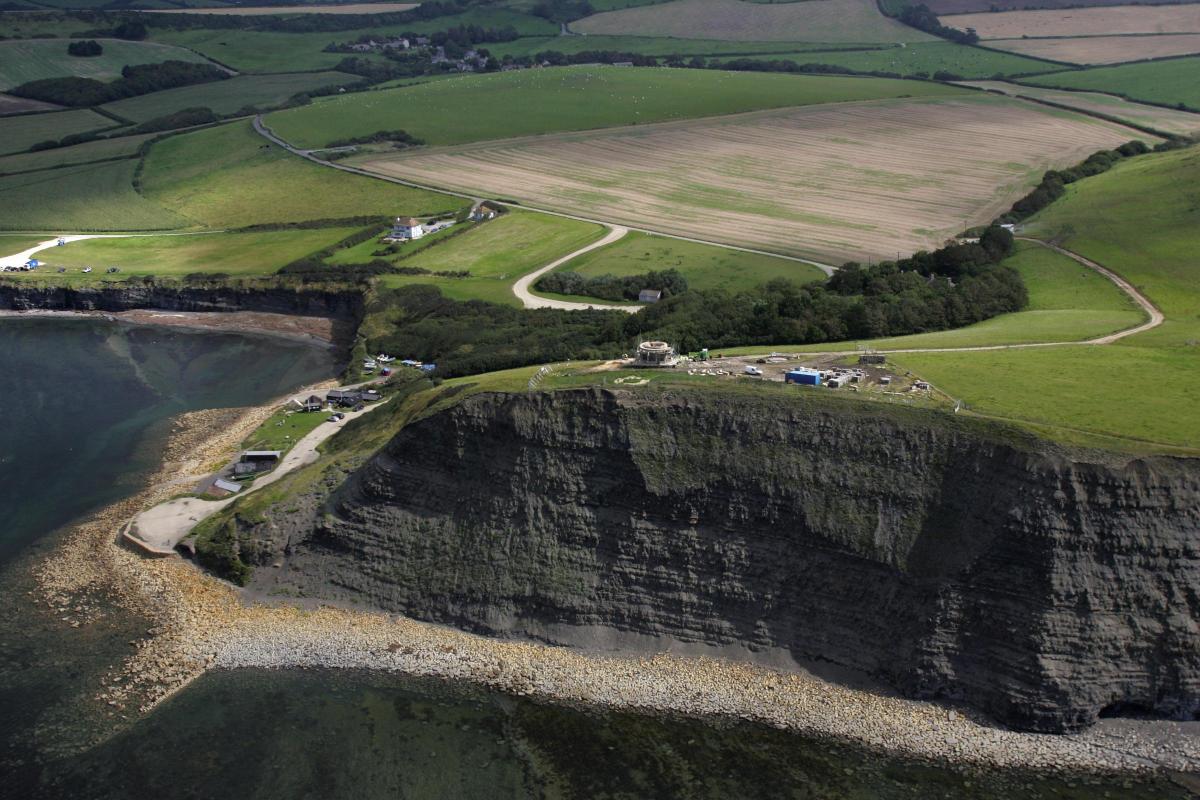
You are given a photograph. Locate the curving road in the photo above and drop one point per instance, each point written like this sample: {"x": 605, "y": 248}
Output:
{"x": 530, "y": 300}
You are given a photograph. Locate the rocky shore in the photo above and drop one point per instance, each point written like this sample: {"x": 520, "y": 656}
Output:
{"x": 197, "y": 623}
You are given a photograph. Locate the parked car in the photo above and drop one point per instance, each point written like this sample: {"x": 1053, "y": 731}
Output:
{"x": 333, "y": 418}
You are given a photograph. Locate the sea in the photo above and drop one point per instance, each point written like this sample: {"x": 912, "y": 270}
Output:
{"x": 87, "y": 407}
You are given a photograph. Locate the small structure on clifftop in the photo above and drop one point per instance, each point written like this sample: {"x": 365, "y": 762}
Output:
{"x": 655, "y": 354}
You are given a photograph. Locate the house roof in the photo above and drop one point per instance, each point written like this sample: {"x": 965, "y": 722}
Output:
{"x": 408, "y": 222}
{"x": 262, "y": 453}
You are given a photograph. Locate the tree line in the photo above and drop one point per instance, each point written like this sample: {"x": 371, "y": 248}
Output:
{"x": 611, "y": 287}
{"x": 135, "y": 80}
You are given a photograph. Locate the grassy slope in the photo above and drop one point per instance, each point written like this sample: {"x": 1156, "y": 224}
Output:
{"x": 1171, "y": 82}
{"x": 29, "y": 60}
{"x": 263, "y": 51}
{"x": 704, "y": 266}
{"x": 927, "y": 57}
{"x": 256, "y": 253}
{"x": 229, "y": 176}
{"x": 658, "y": 46}
{"x": 530, "y": 102}
{"x": 97, "y": 150}
{"x": 1141, "y": 219}
{"x": 226, "y": 97}
{"x": 81, "y": 198}
{"x": 496, "y": 253}
{"x": 20, "y": 133}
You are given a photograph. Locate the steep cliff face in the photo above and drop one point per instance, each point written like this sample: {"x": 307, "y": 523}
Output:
{"x": 945, "y": 557}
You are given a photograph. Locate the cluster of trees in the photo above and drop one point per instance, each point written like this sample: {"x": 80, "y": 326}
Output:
{"x": 397, "y": 137}
{"x": 467, "y": 35}
{"x": 84, "y": 48}
{"x": 610, "y": 287}
{"x": 134, "y": 80}
{"x": 1054, "y": 182}
{"x": 563, "y": 10}
{"x": 922, "y": 18}
{"x": 131, "y": 30}
{"x": 183, "y": 118}
{"x": 312, "y": 23}
{"x": 557, "y": 59}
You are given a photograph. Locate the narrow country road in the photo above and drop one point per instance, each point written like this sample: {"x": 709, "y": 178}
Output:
{"x": 521, "y": 287}
{"x": 261, "y": 128}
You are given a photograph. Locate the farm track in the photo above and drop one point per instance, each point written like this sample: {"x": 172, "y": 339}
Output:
{"x": 263, "y": 130}
{"x": 530, "y": 300}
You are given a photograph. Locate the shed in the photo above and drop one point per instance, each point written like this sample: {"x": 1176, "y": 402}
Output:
{"x": 649, "y": 295}
{"x": 227, "y": 486}
{"x": 803, "y": 377}
{"x": 313, "y": 403}
{"x": 343, "y": 397}
{"x": 244, "y": 469}
{"x": 261, "y": 456}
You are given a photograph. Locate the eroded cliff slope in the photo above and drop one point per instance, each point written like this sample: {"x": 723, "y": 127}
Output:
{"x": 947, "y": 557}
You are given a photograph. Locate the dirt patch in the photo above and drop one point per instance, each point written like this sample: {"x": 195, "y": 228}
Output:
{"x": 1080, "y": 21}
{"x": 1103, "y": 49}
{"x": 838, "y": 182}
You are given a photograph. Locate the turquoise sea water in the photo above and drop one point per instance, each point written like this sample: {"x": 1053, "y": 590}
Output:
{"x": 85, "y": 418}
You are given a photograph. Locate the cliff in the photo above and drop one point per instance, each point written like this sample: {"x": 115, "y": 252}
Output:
{"x": 946, "y": 557}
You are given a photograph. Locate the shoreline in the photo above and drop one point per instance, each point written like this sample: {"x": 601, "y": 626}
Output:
{"x": 197, "y": 622}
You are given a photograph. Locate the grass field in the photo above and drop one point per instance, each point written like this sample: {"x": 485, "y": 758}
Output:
{"x": 27, "y": 60}
{"x": 98, "y": 150}
{"x": 1168, "y": 120}
{"x": 704, "y": 266}
{"x": 226, "y": 97}
{"x": 229, "y": 176}
{"x": 1142, "y": 220}
{"x": 1103, "y": 49}
{"x": 834, "y": 183}
{"x": 283, "y": 429}
{"x": 240, "y": 254}
{"x": 20, "y": 133}
{"x": 924, "y": 57}
{"x": 1171, "y": 82}
{"x": 528, "y": 102}
{"x": 661, "y": 46}
{"x": 811, "y": 21}
{"x": 89, "y": 197}
{"x": 949, "y": 7}
{"x": 1099, "y": 21}
{"x": 496, "y": 253}
{"x": 264, "y": 51}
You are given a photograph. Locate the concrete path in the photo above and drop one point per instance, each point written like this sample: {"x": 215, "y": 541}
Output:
{"x": 165, "y": 525}
{"x": 521, "y": 287}
{"x": 19, "y": 259}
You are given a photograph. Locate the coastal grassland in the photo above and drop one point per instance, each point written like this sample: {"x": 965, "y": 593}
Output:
{"x": 1170, "y": 82}
{"x": 834, "y": 183}
{"x": 704, "y": 266}
{"x": 1067, "y": 302}
{"x": 496, "y": 253}
{"x": 811, "y": 21}
{"x": 228, "y": 176}
{"x": 237, "y": 254}
{"x": 16, "y": 242}
{"x": 1167, "y": 120}
{"x": 87, "y": 152}
{"x": 1103, "y": 49}
{"x": 20, "y": 133}
{"x": 923, "y": 57}
{"x": 27, "y": 60}
{"x": 86, "y": 197}
{"x": 529, "y": 102}
{"x": 256, "y": 51}
{"x": 1096, "y": 21}
{"x": 228, "y": 96}
{"x": 1142, "y": 220}
{"x": 283, "y": 429}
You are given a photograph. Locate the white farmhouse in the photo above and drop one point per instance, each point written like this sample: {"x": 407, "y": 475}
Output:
{"x": 407, "y": 228}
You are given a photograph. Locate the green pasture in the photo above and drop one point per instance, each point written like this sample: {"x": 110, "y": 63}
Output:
{"x": 25, "y": 60}
{"x": 1173, "y": 81}
{"x": 11, "y": 243}
{"x": 283, "y": 429}
{"x": 238, "y": 254}
{"x": 265, "y": 51}
{"x": 228, "y": 96}
{"x": 18, "y": 134}
{"x": 496, "y": 253}
{"x": 661, "y": 46}
{"x": 922, "y": 57}
{"x": 528, "y": 102}
{"x": 85, "y": 153}
{"x": 705, "y": 266}
{"x": 86, "y": 197}
{"x": 228, "y": 176}
{"x": 46, "y": 24}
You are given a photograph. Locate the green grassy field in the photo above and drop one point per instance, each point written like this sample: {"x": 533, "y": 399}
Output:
{"x": 262, "y": 51}
{"x": 926, "y": 57}
{"x": 98, "y": 150}
{"x": 1142, "y": 220}
{"x": 20, "y": 133}
{"x": 89, "y": 197}
{"x": 479, "y": 107}
{"x": 240, "y": 254}
{"x": 11, "y": 243}
{"x": 659, "y": 46}
{"x": 283, "y": 429}
{"x": 1173, "y": 82}
{"x": 226, "y": 97}
{"x": 29, "y": 26}
{"x": 704, "y": 266}
{"x": 496, "y": 253}
{"x": 229, "y": 176}
{"x": 27, "y": 60}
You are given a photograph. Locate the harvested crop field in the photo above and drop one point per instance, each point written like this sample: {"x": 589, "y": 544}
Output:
{"x": 1107, "y": 21}
{"x": 1103, "y": 49}
{"x": 948, "y": 7}
{"x": 22, "y": 105}
{"x": 852, "y": 181}
{"x": 732, "y": 20}
{"x": 251, "y": 11}
{"x": 1167, "y": 120}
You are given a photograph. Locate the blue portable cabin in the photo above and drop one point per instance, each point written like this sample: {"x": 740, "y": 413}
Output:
{"x": 802, "y": 376}
{"x": 32, "y": 263}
